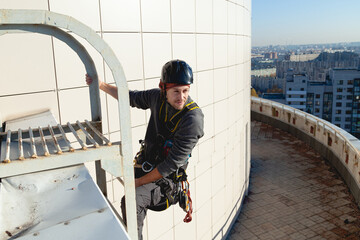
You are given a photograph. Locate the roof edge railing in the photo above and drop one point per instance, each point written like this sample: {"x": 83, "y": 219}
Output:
{"x": 50, "y": 23}
{"x": 342, "y": 144}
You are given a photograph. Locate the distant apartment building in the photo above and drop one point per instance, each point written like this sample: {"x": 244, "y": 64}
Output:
{"x": 271, "y": 55}
{"x": 337, "y": 99}
{"x": 318, "y": 68}
{"x": 302, "y": 57}
{"x": 355, "y": 117}
{"x": 296, "y": 89}
{"x": 266, "y": 83}
{"x": 346, "y": 99}
{"x": 263, "y": 72}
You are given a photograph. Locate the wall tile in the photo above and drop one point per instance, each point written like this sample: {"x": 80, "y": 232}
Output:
{"x": 218, "y": 177}
{"x": 239, "y": 75}
{"x": 247, "y": 4}
{"x": 168, "y": 235}
{"x": 115, "y": 136}
{"x": 240, "y": 46}
{"x": 220, "y": 51}
{"x": 109, "y": 188}
{"x": 127, "y": 47}
{"x": 118, "y": 189}
{"x": 152, "y": 83}
{"x": 240, "y": 20}
{"x": 185, "y": 230}
{"x": 242, "y": 2}
{"x": 75, "y": 9}
{"x": 203, "y": 221}
{"x": 229, "y": 176}
{"x": 221, "y": 84}
{"x": 220, "y": 10}
{"x": 207, "y": 235}
{"x": 74, "y": 105}
{"x": 155, "y": 15}
{"x": 184, "y": 48}
{"x": 204, "y": 43}
{"x": 33, "y": 54}
{"x": 192, "y": 163}
{"x": 120, "y": 15}
{"x": 194, "y": 89}
{"x": 154, "y": 59}
{"x": 24, "y": 4}
{"x": 13, "y": 107}
{"x": 229, "y": 215}
{"x": 145, "y": 229}
{"x": 205, "y": 82}
{"x": 203, "y": 188}
{"x": 247, "y": 54}
{"x": 208, "y": 112}
{"x": 232, "y": 79}
{"x": 240, "y": 100}
{"x": 221, "y": 114}
{"x": 204, "y": 16}
{"x": 231, "y": 50}
{"x": 231, "y": 106}
{"x": 137, "y": 115}
{"x": 91, "y": 168}
{"x": 178, "y": 10}
{"x": 220, "y": 141}
{"x": 159, "y": 223}
{"x": 70, "y": 71}
{"x": 247, "y": 22}
{"x": 231, "y": 18}
{"x": 217, "y": 226}
{"x": 204, "y": 162}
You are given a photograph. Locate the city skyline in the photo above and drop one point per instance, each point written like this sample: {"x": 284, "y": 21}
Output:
{"x": 304, "y": 22}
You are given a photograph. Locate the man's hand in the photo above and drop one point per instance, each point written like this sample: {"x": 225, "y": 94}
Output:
{"x": 137, "y": 182}
{"x": 109, "y": 89}
{"x": 89, "y": 81}
{"x": 148, "y": 178}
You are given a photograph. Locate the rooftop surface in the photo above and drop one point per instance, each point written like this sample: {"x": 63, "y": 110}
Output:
{"x": 294, "y": 193}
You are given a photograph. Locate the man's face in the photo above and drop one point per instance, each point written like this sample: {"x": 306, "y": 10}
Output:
{"x": 177, "y": 96}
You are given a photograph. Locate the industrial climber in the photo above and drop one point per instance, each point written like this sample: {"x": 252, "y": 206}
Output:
{"x": 175, "y": 126}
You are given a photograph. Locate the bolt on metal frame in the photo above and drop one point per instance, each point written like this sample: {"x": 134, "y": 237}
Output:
{"x": 50, "y": 23}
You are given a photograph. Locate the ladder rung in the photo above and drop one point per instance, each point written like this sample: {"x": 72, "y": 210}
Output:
{"x": 32, "y": 139}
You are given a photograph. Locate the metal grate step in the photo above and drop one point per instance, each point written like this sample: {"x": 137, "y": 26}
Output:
{"x": 52, "y": 142}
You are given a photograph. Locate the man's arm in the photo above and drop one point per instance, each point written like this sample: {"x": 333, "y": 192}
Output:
{"x": 109, "y": 89}
{"x": 148, "y": 178}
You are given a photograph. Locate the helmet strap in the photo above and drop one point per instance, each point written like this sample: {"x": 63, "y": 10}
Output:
{"x": 163, "y": 92}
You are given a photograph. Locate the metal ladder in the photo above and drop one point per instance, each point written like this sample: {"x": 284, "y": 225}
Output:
{"x": 45, "y": 154}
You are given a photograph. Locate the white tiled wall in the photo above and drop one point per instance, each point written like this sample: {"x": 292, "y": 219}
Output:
{"x": 38, "y": 73}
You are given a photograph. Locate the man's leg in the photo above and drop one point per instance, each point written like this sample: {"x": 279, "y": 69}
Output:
{"x": 146, "y": 195}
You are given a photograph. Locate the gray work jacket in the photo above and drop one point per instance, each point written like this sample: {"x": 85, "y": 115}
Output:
{"x": 187, "y": 134}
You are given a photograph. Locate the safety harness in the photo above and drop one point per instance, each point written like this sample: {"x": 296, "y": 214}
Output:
{"x": 171, "y": 193}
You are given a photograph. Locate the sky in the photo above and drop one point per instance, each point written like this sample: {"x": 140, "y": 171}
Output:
{"x": 292, "y": 22}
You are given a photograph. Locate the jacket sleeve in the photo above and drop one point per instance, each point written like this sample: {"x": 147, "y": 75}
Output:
{"x": 143, "y": 99}
{"x": 188, "y": 134}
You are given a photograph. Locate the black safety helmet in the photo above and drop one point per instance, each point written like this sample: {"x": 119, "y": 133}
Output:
{"x": 177, "y": 71}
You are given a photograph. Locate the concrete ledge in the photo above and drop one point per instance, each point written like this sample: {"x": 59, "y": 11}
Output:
{"x": 323, "y": 150}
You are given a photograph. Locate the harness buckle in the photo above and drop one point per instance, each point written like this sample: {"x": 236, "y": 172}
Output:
{"x": 147, "y": 167}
